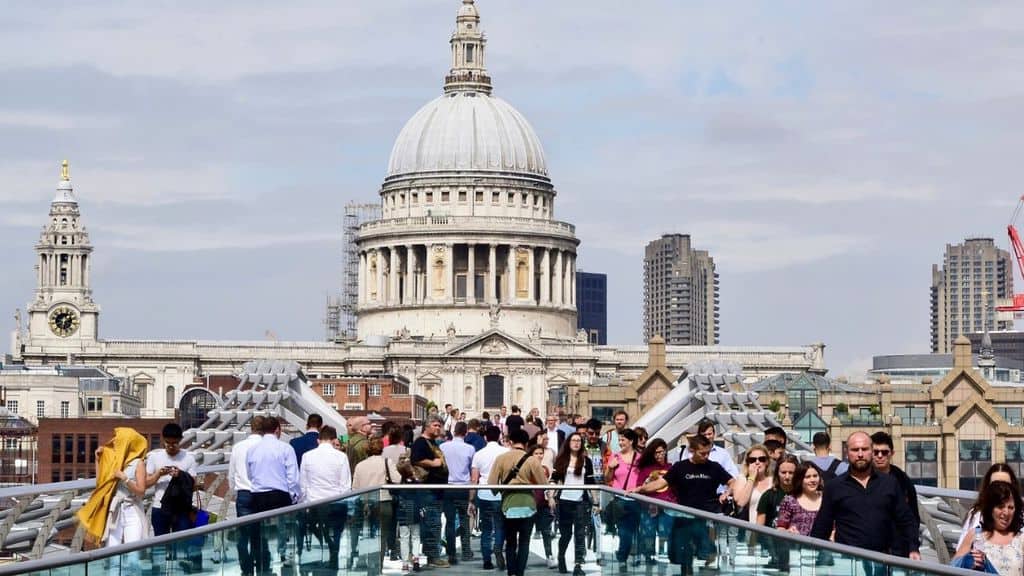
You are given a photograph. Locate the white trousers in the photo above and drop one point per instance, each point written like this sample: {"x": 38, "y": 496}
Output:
{"x": 128, "y": 528}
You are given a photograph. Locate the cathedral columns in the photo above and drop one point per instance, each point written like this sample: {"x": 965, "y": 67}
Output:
{"x": 378, "y": 280}
{"x": 545, "y": 277}
{"x": 492, "y": 276}
{"x": 409, "y": 294}
{"x": 557, "y": 285}
{"x": 531, "y": 267}
{"x": 572, "y": 280}
{"x": 449, "y": 268}
{"x": 428, "y": 268}
{"x": 361, "y": 299}
{"x": 511, "y": 264}
{"x": 470, "y": 274}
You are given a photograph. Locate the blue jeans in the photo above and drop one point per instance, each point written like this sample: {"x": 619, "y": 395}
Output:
{"x": 164, "y": 523}
{"x": 430, "y": 528}
{"x": 456, "y": 505}
{"x": 627, "y": 523}
{"x": 492, "y": 527}
{"x": 243, "y": 507}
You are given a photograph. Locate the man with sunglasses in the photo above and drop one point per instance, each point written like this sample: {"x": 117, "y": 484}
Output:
{"x": 881, "y": 459}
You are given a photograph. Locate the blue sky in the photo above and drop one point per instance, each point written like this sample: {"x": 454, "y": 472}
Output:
{"x": 823, "y": 153}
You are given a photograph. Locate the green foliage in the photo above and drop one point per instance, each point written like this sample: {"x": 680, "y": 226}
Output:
{"x": 842, "y": 408}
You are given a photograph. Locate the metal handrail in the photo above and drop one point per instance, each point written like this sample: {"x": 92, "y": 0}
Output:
{"x": 804, "y": 541}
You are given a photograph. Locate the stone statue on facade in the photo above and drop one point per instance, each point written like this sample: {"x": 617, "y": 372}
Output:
{"x": 495, "y": 314}
{"x": 535, "y": 331}
{"x": 451, "y": 331}
{"x": 581, "y": 335}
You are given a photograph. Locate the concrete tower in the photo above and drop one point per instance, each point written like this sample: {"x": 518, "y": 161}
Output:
{"x": 974, "y": 276}
{"x": 680, "y": 292}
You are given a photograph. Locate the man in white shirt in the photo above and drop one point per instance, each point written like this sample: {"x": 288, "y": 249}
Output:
{"x": 161, "y": 467}
{"x": 492, "y": 523}
{"x": 238, "y": 479}
{"x": 325, "y": 475}
{"x": 458, "y": 455}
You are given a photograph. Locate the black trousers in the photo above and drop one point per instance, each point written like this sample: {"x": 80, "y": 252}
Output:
{"x": 517, "y": 544}
{"x": 258, "y": 547}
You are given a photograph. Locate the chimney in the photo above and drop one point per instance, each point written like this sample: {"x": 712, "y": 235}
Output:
{"x": 962, "y": 352}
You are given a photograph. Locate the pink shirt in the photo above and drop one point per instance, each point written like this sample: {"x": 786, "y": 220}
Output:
{"x": 625, "y": 476}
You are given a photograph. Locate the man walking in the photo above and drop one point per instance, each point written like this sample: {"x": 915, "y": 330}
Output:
{"x": 867, "y": 509}
{"x": 611, "y": 438}
{"x": 459, "y": 457}
{"x": 881, "y": 459}
{"x": 309, "y": 440}
{"x": 325, "y": 475}
{"x": 829, "y": 465}
{"x": 517, "y": 467}
{"x": 425, "y": 454}
{"x": 238, "y": 480}
{"x": 488, "y": 504}
{"x": 164, "y": 467}
{"x": 275, "y": 484}
{"x": 359, "y": 430}
{"x": 555, "y": 434}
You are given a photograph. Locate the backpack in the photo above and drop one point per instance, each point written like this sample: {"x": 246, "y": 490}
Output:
{"x": 830, "y": 472}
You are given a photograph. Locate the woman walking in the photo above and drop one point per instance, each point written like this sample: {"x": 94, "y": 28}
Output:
{"x": 652, "y": 465}
{"x": 621, "y": 473}
{"x": 573, "y": 468}
{"x": 998, "y": 542}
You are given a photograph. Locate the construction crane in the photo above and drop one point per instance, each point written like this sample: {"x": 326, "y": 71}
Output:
{"x": 1018, "y": 252}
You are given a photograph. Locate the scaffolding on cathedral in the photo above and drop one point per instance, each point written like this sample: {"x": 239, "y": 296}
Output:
{"x": 340, "y": 317}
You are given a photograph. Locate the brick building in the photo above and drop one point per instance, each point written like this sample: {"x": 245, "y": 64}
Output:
{"x": 384, "y": 394}
{"x": 67, "y": 446}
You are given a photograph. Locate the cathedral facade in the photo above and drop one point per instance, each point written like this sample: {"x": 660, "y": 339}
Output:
{"x": 466, "y": 282}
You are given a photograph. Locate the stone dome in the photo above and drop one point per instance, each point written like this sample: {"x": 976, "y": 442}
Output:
{"x": 467, "y": 131}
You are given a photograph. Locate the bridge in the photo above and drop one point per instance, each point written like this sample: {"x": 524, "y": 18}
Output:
{"x": 38, "y": 529}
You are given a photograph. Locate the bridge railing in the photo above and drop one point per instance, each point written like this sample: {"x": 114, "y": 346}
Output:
{"x": 298, "y": 541}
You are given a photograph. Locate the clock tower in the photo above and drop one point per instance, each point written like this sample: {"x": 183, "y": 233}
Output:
{"x": 63, "y": 314}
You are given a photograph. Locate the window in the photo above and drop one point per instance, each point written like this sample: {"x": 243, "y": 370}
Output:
{"x": 469, "y": 52}
{"x": 1015, "y": 456}
{"x": 445, "y": 196}
{"x": 922, "y": 462}
{"x": 494, "y": 391}
{"x": 94, "y": 444}
{"x": 80, "y": 441}
{"x": 479, "y": 197}
{"x": 374, "y": 389}
{"x": 911, "y": 415}
{"x": 429, "y": 197}
{"x": 65, "y": 409}
{"x": 353, "y": 389}
{"x": 169, "y": 398}
{"x": 462, "y": 195}
{"x": 975, "y": 458}
{"x": 69, "y": 449}
{"x": 55, "y": 448}
{"x": 328, "y": 391}
{"x": 605, "y": 414}
{"x": 94, "y": 404}
{"x": 1012, "y": 415}
{"x": 40, "y": 408}
{"x": 460, "y": 287}
{"x": 12, "y": 405}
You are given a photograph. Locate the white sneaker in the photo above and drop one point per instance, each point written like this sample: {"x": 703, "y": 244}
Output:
{"x": 552, "y": 563}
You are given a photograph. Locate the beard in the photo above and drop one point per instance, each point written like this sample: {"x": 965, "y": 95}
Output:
{"x": 860, "y": 465}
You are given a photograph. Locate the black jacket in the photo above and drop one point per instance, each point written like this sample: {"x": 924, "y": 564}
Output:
{"x": 178, "y": 496}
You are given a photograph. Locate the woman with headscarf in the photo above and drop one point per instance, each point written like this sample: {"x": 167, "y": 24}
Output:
{"x": 114, "y": 513}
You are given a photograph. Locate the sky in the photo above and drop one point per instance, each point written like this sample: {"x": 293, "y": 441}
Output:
{"x": 824, "y": 153}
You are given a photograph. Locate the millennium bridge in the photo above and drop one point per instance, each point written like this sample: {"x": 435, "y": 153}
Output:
{"x": 39, "y": 533}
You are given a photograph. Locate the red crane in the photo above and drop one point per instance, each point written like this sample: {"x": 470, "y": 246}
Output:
{"x": 1018, "y": 251}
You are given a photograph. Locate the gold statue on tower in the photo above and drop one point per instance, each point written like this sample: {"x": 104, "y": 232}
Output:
{"x": 65, "y": 171}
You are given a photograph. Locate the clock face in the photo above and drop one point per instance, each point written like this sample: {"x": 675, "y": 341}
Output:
{"x": 64, "y": 321}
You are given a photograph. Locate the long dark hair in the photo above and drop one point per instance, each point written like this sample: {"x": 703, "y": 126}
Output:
{"x": 786, "y": 459}
{"x": 647, "y": 458}
{"x": 562, "y": 460}
{"x": 798, "y": 478}
{"x": 987, "y": 479}
{"x": 994, "y": 495}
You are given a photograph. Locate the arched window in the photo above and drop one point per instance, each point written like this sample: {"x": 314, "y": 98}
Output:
{"x": 169, "y": 398}
{"x": 494, "y": 391}
{"x": 195, "y": 407}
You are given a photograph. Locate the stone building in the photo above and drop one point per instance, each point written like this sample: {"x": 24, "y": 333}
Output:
{"x": 466, "y": 283}
{"x": 946, "y": 432}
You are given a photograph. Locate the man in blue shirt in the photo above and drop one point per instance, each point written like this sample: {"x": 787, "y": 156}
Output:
{"x": 475, "y": 435}
{"x": 459, "y": 456}
{"x": 274, "y": 474}
{"x": 310, "y": 440}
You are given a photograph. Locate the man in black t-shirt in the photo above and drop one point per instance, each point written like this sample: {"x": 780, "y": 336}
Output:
{"x": 514, "y": 421}
{"x": 426, "y": 454}
{"x": 695, "y": 482}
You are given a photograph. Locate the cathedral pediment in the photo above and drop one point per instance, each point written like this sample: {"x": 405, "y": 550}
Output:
{"x": 494, "y": 343}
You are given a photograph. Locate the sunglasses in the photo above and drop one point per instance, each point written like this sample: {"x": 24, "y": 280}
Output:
{"x": 753, "y": 459}
{"x": 882, "y": 452}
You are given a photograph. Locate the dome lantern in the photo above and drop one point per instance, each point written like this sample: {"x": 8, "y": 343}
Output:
{"x": 467, "y": 73}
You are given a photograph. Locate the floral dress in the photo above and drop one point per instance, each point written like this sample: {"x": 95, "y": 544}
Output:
{"x": 793, "y": 515}
{"x": 1006, "y": 558}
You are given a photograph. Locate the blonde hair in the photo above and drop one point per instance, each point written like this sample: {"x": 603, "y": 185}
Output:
{"x": 766, "y": 473}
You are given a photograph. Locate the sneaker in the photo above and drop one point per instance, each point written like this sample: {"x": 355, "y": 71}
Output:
{"x": 438, "y": 563}
{"x": 287, "y": 559}
{"x": 578, "y": 571}
{"x": 552, "y": 563}
{"x": 488, "y": 565}
{"x": 711, "y": 563}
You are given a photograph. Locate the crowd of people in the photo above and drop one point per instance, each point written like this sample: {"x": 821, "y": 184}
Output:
{"x": 862, "y": 500}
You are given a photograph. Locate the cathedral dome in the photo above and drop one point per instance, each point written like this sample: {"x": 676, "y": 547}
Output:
{"x": 467, "y": 131}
